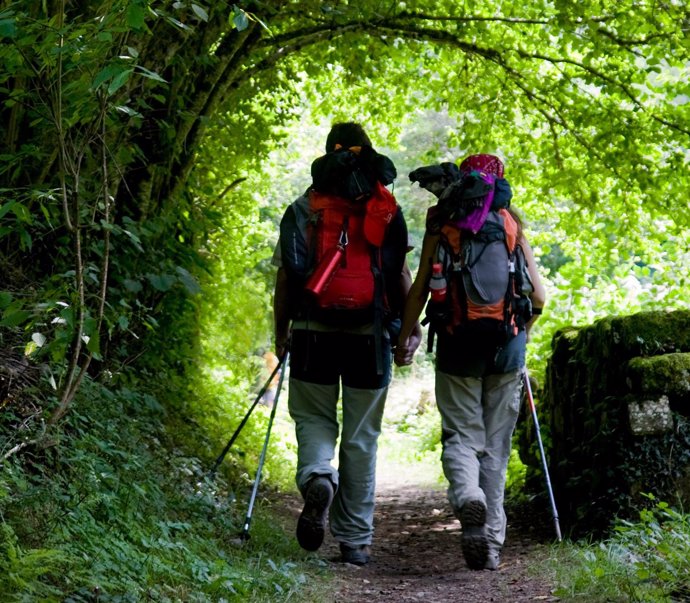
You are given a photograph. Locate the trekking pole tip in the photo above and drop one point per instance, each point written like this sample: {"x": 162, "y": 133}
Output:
{"x": 242, "y": 537}
{"x": 239, "y": 540}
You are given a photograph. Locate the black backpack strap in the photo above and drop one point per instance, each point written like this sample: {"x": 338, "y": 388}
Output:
{"x": 379, "y": 308}
{"x": 523, "y": 304}
{"x": 430, "y": 338}
{"x": 509, "y": 303}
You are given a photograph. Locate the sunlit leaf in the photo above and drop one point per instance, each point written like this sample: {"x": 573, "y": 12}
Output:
{"x": 119, "y": 80}
{"x": 39, "y": 339}
{"x": 200, "y": 12}
{"x": 127, "y": 111}
{"x": 239, "y": 18}
{"x": 150, "y": 74}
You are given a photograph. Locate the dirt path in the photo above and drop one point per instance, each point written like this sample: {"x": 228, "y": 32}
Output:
{"x": 416, "y": 551}
{"x": 416, "y": 556}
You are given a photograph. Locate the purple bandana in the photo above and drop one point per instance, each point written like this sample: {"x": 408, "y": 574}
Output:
{"x": 475, "y": 219}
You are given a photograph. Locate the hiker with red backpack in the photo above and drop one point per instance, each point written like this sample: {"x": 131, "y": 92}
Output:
{"x": 485, "y": 293}
{"x": 340, "y": 290}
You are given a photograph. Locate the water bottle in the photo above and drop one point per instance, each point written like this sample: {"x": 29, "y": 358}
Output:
{"x": 437, "y": 284}
{"x": 323, "y": 275}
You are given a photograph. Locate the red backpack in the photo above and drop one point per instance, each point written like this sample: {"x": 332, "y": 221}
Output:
{"x": 333, "y": 251}
{"x": 343, "y": 278}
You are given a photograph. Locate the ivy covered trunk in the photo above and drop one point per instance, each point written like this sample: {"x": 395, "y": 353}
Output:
{"x": 615, "y": 408}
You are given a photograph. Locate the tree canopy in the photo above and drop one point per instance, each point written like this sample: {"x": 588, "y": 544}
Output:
{"x": 132, "y": 129}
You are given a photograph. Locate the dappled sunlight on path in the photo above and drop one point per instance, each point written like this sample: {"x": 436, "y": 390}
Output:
{"x": 416, "y": 557}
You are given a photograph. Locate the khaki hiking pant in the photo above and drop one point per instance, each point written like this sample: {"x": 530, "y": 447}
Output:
{"x": 478, "y": 417}
{"x": 313, "y": 407}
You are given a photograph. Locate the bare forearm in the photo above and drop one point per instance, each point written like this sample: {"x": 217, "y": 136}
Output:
{"x": 416, "y": 300}
{"x": 538, "y": 296}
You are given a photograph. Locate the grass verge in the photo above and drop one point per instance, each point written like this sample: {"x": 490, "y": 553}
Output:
{"x": 113, "y": 511}
{"x": 642, "y": 562}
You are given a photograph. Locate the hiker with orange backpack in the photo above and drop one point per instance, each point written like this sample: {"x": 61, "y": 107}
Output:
{"x": 479, "y": 271}
{"x": 340, "y": 289}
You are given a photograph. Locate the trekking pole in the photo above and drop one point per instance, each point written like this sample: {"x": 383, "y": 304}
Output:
{"x": 533, "y": 408}
{"x": 260, "y": 395}
{"x": 250, "y": 507}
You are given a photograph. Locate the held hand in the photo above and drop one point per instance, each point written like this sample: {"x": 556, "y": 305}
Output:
{"x": 415, "y": 338}
{"x": 405, "y": 350}
{"x": 403, "y": 355}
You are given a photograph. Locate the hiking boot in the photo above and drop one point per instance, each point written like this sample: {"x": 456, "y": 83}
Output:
{"x": 357, "y": 555}
{"x": 311, "y": 525}
{"x": 493, "y": 560}
{"x": 475, "y": 545}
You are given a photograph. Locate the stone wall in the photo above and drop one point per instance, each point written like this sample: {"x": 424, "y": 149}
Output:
{"x": 615, "y": 417}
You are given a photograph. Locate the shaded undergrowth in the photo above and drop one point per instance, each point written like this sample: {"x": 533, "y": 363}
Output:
{"x": 645, "y": 561}
{"x": 114, "y": 511}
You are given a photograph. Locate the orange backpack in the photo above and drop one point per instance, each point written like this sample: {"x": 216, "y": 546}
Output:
{"x": 487, "y": 284}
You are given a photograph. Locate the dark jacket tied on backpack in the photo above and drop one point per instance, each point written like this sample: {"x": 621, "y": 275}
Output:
{"x": 351, "y": 173}
{"x": 343, "y": 243}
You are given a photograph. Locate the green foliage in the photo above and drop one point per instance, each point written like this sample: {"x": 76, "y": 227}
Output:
{"x": 115, "y": 511}
{"x": 515, "y": 475}
{"x": 233, "y": 316}
{"x": 602, "y": 270}
{"x": 412, "y": 426}
{"x": 21, "y": 571}
{"x": 644, "y": 561}
{"x": 154, "y": 164}
{"x": 86, "y": 274}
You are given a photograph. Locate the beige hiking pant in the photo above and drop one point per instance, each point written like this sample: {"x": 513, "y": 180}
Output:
{"x": 478, "y": 417}
{"x": 314, "y": 408}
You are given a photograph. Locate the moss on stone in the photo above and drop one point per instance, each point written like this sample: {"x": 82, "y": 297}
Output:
{"x": 651, "y": 333}
{"x": 592, "y": 373}
{"x": 665, "y": 374}
{"x": 642, "y": 334}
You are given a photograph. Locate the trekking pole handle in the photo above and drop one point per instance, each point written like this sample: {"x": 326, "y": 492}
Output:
{"x": 260, "y": 395}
